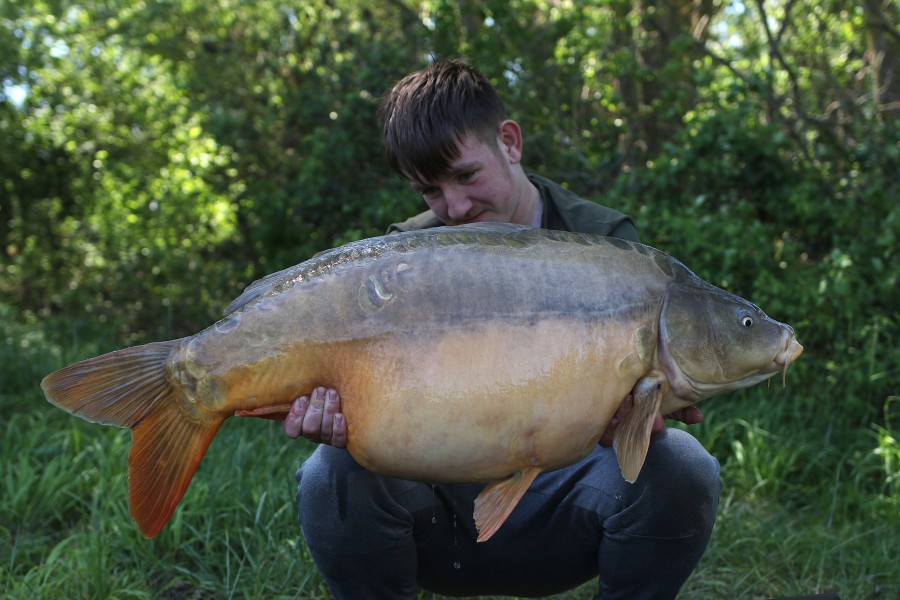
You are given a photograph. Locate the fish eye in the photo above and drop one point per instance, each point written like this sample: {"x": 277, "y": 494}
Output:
{"x": 747, "y": 321}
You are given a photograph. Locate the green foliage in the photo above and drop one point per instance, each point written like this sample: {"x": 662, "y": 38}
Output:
{"x": 65, "y": 526}
{"x": 738, "y": 200}
{"x": 165, "y": 154}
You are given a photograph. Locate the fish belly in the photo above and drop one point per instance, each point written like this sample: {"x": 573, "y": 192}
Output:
{"x": 479, "y": 403}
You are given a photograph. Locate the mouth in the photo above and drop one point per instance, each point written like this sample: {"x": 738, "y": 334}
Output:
{"x": 482, "y": 215}
{"x": 791, "y": 352}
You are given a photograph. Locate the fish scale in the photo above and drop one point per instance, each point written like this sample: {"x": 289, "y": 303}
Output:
{"x": 488, "y": 352}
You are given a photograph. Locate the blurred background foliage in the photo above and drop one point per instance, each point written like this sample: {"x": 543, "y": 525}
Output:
{"x": 155, "y": 157}
{"x": 158, "y": 155}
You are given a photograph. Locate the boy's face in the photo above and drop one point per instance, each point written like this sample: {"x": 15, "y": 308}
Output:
{"x": 482, "y": 185}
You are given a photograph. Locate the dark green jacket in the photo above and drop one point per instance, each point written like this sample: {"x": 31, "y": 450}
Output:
{"x": 563, "y": 210}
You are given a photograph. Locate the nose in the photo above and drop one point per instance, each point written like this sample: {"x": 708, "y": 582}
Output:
{"x": 458, "y": 205}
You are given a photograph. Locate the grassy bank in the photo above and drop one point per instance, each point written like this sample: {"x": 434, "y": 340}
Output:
{"x": 810, "y": 502}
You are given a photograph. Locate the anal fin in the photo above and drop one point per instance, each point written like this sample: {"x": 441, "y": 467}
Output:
{"x": 495, "y": 502}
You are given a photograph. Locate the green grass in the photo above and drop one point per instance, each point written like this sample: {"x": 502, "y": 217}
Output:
{"x": 66, "y": 531}
{"x": 811, "y": 501}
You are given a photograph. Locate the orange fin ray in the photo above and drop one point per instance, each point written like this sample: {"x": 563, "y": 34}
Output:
{"x": 275, "y": 412}
{"x": 632, "y": 437}
{"x": 131, "y": 388}
{"x": 119, "y": 388}
{"x": 166, "y": 449}
{"x": 495, "y": 502}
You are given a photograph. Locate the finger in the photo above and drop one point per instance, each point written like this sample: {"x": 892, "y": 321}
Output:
{"x": 332, "y": 406}
{"x": 293, "y": 422}
{"x": 312, "y": 421}
{"x": 692, "y": 415}
{"x": 339, "y": 434}
{"x": 606, "y": 440}
{"x": 625, "y": 408}
{"x": 689, "y": 415}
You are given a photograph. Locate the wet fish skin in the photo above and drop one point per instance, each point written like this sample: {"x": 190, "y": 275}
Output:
{"x": 474, "y": 353}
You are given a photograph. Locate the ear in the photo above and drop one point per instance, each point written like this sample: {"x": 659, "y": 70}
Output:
{"x": 509, "y": 135}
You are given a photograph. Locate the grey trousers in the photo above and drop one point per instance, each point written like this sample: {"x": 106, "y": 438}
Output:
{"x": 378, "y": 537}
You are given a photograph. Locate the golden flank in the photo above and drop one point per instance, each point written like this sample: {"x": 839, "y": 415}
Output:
{"x": 487, "y": 352}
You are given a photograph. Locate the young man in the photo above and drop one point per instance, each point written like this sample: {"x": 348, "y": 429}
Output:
{"x": 372, "y": 536}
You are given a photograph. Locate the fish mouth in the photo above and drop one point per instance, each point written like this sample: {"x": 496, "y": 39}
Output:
{"x": 791, "y": 352}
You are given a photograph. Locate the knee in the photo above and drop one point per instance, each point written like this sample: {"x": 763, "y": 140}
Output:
{"x": 685, "y": 460}
{"x": 327, "y": 483}
{"x": 326, "y": 479}
{"x": 324, "y": 466}
{"x": 680, "y": 469}
{"x": 337, "y": 498}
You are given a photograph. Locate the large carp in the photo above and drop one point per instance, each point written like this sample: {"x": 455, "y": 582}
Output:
{"x": 487, "y": 353}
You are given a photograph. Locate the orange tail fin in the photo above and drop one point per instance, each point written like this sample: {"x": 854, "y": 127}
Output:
{"x": 130, "y": 388}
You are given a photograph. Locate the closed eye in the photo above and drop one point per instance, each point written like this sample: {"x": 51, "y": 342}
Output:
{"x": 466, "y": 177}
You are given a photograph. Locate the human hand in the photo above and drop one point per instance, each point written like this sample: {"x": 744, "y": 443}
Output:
{"x": 606, "y": 440}
{"x": 317, "y": 417}
{"x": 689, "y": 415}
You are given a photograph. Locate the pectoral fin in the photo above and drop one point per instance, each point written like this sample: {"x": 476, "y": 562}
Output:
{"x": 632, "y": 436}
{"x": 496, "y": 501}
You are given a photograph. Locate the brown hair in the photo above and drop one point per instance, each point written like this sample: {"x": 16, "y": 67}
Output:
{"x": 427, "y": 114}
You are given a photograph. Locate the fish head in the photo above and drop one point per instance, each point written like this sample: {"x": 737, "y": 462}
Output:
{"x": 712, "y": 341}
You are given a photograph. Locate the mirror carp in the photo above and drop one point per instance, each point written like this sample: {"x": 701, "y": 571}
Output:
{"x": 479, "y": 353}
